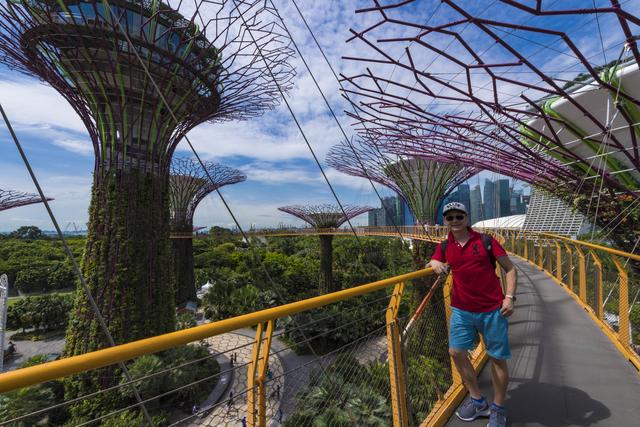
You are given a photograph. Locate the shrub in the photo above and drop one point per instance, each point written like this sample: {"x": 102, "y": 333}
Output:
{"x": 47, "y": 312}
{"x": 175, "y": 378}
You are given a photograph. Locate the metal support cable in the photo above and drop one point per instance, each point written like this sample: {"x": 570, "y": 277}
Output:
{"x": 76, "y": 268}
{"x": 333, "y": 114}
{"x": 295, "y": 119}
{"x": 174, "y": 117}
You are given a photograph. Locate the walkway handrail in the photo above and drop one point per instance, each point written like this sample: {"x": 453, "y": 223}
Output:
{"x": 635, "y": 257}
{"x": 97, "y": 359}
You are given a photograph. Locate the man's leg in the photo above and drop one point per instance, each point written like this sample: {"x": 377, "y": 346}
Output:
{"x": 500, "y": 380}
{"x": 467, "y": 373}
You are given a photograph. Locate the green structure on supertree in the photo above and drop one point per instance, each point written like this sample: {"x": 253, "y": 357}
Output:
{"x": 189, "y": 184}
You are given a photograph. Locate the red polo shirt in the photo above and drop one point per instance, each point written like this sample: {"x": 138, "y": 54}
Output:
{"x": 475, "y": 284}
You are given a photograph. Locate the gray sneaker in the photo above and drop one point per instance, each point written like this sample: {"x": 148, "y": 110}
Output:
{"x": 498, "y": 418}
{"x": 470, "y": 410}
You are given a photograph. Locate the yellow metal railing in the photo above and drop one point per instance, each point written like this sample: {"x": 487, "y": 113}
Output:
{"x": 586, "y": 271}
{"x": 558, "y": 256}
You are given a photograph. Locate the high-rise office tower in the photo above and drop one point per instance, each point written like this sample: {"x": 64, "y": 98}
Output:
{"x": 517, "y": 202}
{"x": 475, "y": 205}
{"x": 503, "y": 198}
{"x": 489, "y": 204}
{"x": 464, "y": 195}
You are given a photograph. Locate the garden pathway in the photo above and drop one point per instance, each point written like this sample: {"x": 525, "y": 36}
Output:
{"x": 229, "y": 412}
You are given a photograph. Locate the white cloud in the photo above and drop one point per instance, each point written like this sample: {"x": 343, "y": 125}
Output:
{"x": 75, "y": 146}
{"x": 28, "y": 102}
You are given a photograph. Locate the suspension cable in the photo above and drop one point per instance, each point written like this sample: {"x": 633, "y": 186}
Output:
{"x": 172, "y": 113}
{"x": 333, "y": 114}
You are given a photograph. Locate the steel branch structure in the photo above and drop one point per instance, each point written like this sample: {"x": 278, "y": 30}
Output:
{"x": 10, "y": 199}
{"x": 189, "y": 184}
{"x": 420, "y": 182}
{"x": 528, "y": 91}
{"x": 326, "y": 216}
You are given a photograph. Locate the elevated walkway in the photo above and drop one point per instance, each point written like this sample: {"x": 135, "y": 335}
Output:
{"x": 569, "y": 366}
{"x": 564, "y": 370}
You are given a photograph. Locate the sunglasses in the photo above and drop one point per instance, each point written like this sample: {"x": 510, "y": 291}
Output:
{"x": 456, "y": 217}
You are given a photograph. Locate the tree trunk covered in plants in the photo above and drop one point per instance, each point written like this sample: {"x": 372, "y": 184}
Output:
{"x": 183, "y": 270}
{"x": 326, "y": 264}
{"x": 127, "y": 267}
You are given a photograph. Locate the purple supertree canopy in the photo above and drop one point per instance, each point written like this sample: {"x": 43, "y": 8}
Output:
{"x": 12, "y": 199}
{"x": 420, "y": 182}
{"x": 537, "y": 92}
{"x": 326, "y": 215}
{"x": 189, "y": 184}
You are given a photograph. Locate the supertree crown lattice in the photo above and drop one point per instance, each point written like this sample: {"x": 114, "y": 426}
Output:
{"x": 535, "y": 90}
{"x": 10, "y": 199}
{"x": 109, "y": 58}
{"x": 420, "y": 182}
{"x": 190, "y": 183}
{"x": 325, "y": 215}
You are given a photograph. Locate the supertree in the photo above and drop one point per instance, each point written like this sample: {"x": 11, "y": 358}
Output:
{"x": 322, "y": 217}
{"x": 189, "y": 184}
{"x": 531, "y": 91}
{"x": 10, "y": 199}
{"x": 141, "y": 74}
{"x": 421, "y": 183}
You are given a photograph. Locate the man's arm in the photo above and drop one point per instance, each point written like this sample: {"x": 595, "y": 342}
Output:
{"x": 512, "y": 283}
{"x": 436, "y": 263}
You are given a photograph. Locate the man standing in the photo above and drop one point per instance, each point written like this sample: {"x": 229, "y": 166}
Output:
{"x": 478, "y": 306}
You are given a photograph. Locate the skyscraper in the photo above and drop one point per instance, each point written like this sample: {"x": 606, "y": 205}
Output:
{"x": 464, "y": 195}
{"x": 503, "y": 198}
{"x": 475, "y": 205}
{"x": 517, "y": 202}
{"x": 489, "y": 205}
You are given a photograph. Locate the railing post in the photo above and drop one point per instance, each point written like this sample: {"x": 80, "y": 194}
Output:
{"x": 549, "y": 259}
{"x": 456, "y": 379}
{"x": 570, "y": 267}
{"x": 541, "y": 253}
{"x": 263, "y": 367}
{"x": 251, "y": 377}
{"x": 513, "y": 241}
{"x": 259, "y": 364}
{"x": 396, "y": 367}
{"x": 582, "y": 275}
{"x": 623, "y": 303}
{"x": 558, "y": 261}
{"x": 525, "y": 242}
{"x": 598, "y": 302}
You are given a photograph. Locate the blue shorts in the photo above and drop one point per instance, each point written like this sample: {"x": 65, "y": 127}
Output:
{"x": 464, "y": 327}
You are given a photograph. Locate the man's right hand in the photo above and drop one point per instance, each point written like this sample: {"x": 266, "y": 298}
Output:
{"x": 438, "y": 267}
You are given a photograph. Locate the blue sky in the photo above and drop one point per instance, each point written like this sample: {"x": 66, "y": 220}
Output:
{"x": 269, "y": 149}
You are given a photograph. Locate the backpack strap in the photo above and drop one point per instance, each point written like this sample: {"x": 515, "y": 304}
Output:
{"x": 486, "y": 242}
{"x": 443, "y": 249}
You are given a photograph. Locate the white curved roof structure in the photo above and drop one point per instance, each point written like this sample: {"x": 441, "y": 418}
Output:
{"x": 512, "y": 221}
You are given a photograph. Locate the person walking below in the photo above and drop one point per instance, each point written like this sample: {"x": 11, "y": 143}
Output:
{"x": 478, "y": 306}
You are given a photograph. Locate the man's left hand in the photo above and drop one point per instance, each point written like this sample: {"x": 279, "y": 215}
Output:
{"x": 507, "y": 307}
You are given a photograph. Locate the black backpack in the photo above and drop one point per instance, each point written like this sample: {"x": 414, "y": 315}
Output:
{"x": 486, "y": 242}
